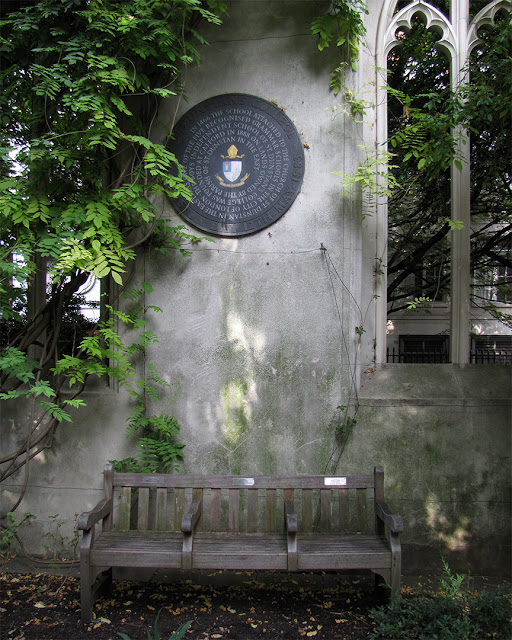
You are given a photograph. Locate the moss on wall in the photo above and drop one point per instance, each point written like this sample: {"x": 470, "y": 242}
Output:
{"x": 272, "y": 422}
{"x": 445, "y": 445}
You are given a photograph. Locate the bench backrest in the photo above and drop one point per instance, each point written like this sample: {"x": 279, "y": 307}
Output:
{"x": 241, "y": 504}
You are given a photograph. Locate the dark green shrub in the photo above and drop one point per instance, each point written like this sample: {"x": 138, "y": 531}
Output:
{"x": 492, "y": 611}
{"x": 422, "y": 617}
{"x": 452, "y": 613}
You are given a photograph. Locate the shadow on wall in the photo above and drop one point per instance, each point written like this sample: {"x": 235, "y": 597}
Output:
{"x": 276, "y": 368}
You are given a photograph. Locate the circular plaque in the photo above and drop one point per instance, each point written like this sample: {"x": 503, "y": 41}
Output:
{"x": 246, "y": 161}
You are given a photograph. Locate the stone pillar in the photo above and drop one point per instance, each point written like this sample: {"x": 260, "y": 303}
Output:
{"x": 460, "y": 201}
{"x": 36, "y": 298}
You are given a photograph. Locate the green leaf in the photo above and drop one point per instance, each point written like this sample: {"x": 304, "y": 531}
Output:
{"x": 144, "y": 142}
{"x": 56, "y": 412}
{"x": 42, "y": 387}
{"x": 455, "y": 225}
{"x": 12, "y": 394}
{"x": 147, "y": 287}
{"x": 117, "y": 278}
{"x": 76, "y": 402}
{"x": 102, "y": 272}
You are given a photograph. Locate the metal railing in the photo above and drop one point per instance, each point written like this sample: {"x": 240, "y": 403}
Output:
{"x": 480, "y": 356}
{"x": 416, "y": 357}
{"x": 485, "y": 356}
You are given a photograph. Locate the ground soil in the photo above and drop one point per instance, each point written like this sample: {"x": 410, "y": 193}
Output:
{"x": 47, "y": 607}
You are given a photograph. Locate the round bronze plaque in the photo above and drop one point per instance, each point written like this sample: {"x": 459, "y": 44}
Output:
{"x": 246, "y": 160}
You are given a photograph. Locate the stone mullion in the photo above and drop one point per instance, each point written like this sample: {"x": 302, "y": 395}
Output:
{"x": 460, "y": 200}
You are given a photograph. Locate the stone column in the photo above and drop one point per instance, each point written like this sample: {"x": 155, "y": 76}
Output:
{"x": 460, "y": 200}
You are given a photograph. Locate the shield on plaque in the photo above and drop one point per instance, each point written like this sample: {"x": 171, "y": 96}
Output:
{"x": 232, "y": 169}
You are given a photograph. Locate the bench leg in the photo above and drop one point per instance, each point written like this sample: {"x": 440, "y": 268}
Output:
{"x": 396, "y": 565}
{"x": 90, "y": 588}
{"x": 387, "y": 583}
{"x": 86, "y": 599}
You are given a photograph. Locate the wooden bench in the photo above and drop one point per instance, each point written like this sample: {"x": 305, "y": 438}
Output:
{"x": 301, "y": 523}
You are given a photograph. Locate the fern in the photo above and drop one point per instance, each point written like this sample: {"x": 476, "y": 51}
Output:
{"x": 157, "y": 442}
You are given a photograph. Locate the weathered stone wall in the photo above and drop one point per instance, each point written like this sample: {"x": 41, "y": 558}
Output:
{"x": 260, "y": 331}
{"x": 258, "y": 339}
{"x": 443, "y": 434}
{"x": 257, "y": 334}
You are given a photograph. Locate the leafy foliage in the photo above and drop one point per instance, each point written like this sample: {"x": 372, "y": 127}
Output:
{"x": 341, "y": 26}
{"x": 454, "y": 612}
{"x": 58, "y": 545}
{"x": 374, "y": 177}
{"x": 9, "y": 533}
{"x": 102, "y": 354}
{"x": 423, "y": 111}
{"x": 158, "y": 448}
{"x": 82, "y": 169}
{"x": 427, "y": 122}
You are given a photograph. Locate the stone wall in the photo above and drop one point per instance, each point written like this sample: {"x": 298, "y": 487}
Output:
{"x": 443, "y": 434}
{"x": 259, "y": 346}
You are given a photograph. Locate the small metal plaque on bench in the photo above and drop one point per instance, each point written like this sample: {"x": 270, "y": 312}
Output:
{"x": 335, "y": 482}
{"x": 243, "y": 482}
{"x": 152, "y": 480}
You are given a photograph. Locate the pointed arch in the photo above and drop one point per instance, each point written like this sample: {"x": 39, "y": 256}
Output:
{"x": 485, "y": 18}
{"x": 435, "y": 21}
{"x": 450, "y": 43}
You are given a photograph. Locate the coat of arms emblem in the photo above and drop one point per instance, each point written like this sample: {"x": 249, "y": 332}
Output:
{"x": 232, "y": 166}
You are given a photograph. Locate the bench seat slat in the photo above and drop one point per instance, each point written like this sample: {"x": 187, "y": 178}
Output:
{"x": 341, "y": 563}
{"x": 351, "y": 552}
{"x": 125, "y": 549}
{"x": 342, "y": 544}
{"x": 259, "y": 552}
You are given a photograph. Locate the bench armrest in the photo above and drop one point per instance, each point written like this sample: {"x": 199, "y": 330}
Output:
{"x": 291, "y": 534}
{"x": 189, "y": 520}
{"x": 89, "y": 518}
{"x": 290, "y": 517}
{"x": 394, "y": 522}
{"x": 188, "y": 523}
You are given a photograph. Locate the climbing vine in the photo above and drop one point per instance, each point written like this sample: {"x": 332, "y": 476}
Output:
{"x": 83, "y": 168}
{"x": 341, "y": 28}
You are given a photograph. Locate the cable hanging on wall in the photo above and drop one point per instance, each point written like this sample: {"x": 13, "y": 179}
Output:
{"x": 344, "y": 416}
